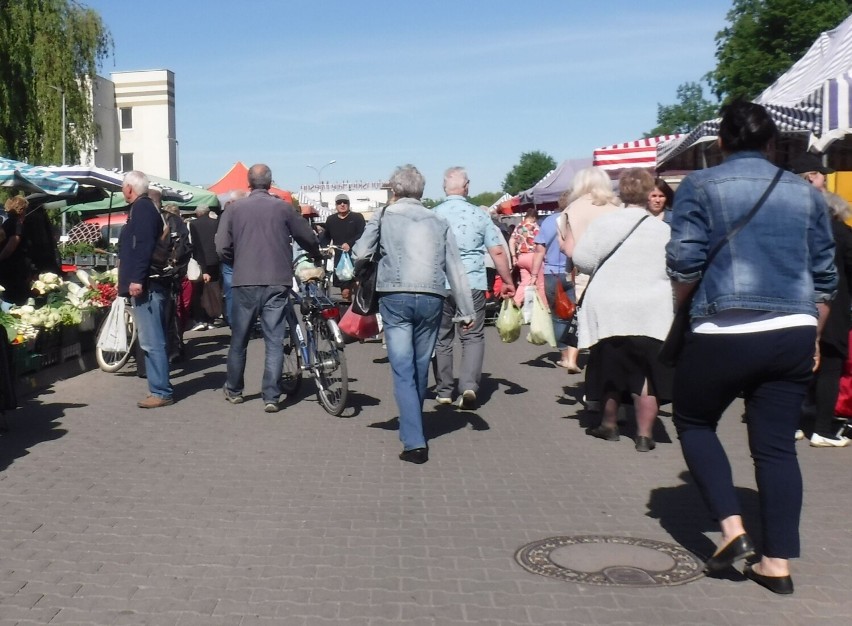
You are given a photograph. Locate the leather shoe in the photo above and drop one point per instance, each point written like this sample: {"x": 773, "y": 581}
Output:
{"x": 782, "y": 585}
{"x": 416, "y": 455}
{"x": 737, "y": 549}
{"x": 645, "y": 444}
{"x": 154, "y": 402}
{"x": 604, "y": 432}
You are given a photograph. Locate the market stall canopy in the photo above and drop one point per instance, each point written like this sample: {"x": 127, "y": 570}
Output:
{"x": 34, "y": 178}
{"x": 812, "y": 98}
{"x": 554, "y": 184}
{"x": 191, "y": 197}
{"x": 112, "y": 179}
{"x": 640, "y": 153}
{"x": 237, "y": 180}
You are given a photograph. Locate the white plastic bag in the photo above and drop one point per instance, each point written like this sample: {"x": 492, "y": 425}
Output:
{"x": 541, "y": 325}
{"x": 345, "y": 270}
{"x": 529, "y": 300}
{"x": 113, "y": 335}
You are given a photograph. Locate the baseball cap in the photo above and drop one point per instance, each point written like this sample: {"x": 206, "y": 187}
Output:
{"x": 809, "y": 162}
{"x": 341, "y": 197}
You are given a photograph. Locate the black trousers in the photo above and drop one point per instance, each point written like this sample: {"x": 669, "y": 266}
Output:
{"x": 773, "y": 370}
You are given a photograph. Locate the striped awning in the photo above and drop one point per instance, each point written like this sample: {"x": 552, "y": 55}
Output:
{"x": 639, "y": 153}
{"x": 34, "y": 178}
{"x": 813, "y": 96}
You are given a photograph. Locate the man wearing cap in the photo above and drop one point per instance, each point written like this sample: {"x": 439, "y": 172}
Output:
{"x": 343, "y": 229}
{"x": 809, "y": 166}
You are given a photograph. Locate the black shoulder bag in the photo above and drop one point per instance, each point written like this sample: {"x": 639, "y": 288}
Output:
{"x": 676, "y": 337}
{"x": 365, "y": 300}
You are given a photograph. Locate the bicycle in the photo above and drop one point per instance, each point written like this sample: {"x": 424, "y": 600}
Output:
{"x": 112, "y": 361}
{"x": 314, "y": 348}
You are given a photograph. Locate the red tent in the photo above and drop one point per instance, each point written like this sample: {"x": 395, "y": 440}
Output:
{"x": 237, "y": 178}
{"x": 639, "y": 153}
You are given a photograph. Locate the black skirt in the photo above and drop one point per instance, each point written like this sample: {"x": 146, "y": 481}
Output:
{"x": 621, "y": 365}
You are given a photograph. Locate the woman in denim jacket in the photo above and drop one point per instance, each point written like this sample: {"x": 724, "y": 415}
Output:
{"x": 419, "y": 258}
{"x": 757, "y": 313}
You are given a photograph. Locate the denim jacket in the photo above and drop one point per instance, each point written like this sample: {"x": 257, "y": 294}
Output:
{"x": 419, "y": 254}
{"x": 782, "y": 261}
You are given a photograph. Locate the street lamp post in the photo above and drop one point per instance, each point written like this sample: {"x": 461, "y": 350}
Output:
{"x": 62, "y": 93}
{"x": 319, "y": 175}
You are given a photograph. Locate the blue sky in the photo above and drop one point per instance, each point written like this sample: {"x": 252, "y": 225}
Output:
{"x": 374, "y": 84}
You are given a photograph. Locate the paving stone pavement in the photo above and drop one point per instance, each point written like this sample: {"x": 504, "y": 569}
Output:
{"x": 206, "y": 513}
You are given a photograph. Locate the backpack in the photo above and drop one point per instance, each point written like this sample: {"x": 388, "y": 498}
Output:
{"x": 173, "y": 249}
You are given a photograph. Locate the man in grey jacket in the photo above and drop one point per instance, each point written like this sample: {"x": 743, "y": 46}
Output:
{"x": 256, "y": 240}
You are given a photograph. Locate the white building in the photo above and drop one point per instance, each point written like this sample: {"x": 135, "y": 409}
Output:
{"x": 135, "y": 114}
{"x": 364, "y": 197}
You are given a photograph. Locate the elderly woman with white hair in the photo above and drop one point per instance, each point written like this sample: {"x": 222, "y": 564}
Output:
{"x": 419, "y": 257}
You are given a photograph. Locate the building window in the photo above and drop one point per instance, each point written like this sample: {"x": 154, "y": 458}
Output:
{"x": 126, "y": 118}
{"x": 127, "y": 161}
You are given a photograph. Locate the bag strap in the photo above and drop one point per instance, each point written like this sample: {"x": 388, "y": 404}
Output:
{"x": 379, "y": 231}
{"x": 611, "y": 252}
{"x": 736, "y": 229}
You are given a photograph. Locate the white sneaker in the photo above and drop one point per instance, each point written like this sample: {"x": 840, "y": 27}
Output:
{"x": 818, "y": 441}
{"x": 800, "y": 434}
{"x": 199, "y": 326}
{"x": 442, "y": 400}
{"x": 467, "y": 401}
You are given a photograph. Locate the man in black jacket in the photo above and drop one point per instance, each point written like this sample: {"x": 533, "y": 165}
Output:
{"x": 203, "y": 231}
{"x": 135, "y": 248}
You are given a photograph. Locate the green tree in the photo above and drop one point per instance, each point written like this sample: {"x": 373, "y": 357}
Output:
{"x": 764, "y": 38}
{"x": 692, "y": 109}
{"x": 48, "y": 45}
{"x": 532, "y": 167}
{"x": 486, "y": 198}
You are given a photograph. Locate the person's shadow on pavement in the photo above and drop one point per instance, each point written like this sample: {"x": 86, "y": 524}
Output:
{"x": 33, "y": 423}
{"x": 684, "y": 516}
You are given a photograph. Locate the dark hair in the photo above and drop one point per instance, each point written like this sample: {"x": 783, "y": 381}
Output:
{"x": 663, "y": 186}
{"x": 745, "y": 126}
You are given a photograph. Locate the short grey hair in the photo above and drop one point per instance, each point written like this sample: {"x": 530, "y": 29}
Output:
{"x": 839, "y": 207}
{"x": 202, "y": 209}
{"x": 455, "y": 178}
{"x": 137, "y": 181}
{"x": 407, "y": 182}
{"x": 260, "y": 176}
{"x": 171, "y": 207}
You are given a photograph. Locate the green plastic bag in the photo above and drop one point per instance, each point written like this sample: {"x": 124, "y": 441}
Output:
{"x": 509, "y": 321}
{"x": 541, "y": 325}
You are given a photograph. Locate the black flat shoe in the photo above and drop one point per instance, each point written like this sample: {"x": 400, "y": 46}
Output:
{"x": 645, "y": 444}
{"x": 739, "y": 548}
{"x": 603, "y": 432}
{"x": 782, "y": 585}
{"x": 416, "y": 455}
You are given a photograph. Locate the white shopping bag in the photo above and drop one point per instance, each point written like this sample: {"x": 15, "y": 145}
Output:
{"x": 113, "y": 335}
{"x": 529, "y": 300}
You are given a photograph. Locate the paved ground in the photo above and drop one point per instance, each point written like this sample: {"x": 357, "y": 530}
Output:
{"x": 205, "y": 513}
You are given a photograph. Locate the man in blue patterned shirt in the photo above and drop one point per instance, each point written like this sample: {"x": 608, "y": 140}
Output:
{"x": 475, "y": 235}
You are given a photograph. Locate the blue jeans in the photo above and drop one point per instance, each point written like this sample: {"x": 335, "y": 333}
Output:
{"x": 149, "y": 314}
{"x": 411, "y": 322}
{"x": 270, "y": 303}
{"x": 227, "y": 279}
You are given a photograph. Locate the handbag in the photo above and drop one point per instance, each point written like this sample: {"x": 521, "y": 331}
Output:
{"x": 676, "y": 337}
{"x": 563, "y": 307}
{"x": 365, "y": 300}
{"x": 113, "y": 334}
{"x": 359, "y": 326}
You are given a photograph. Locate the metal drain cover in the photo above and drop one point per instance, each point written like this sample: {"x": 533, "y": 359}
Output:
{"x": 613, "y": 561}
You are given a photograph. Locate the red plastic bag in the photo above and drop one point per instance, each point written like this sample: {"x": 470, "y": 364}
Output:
{"x": 359, "y": 326}
{"x": 843, "y": 407}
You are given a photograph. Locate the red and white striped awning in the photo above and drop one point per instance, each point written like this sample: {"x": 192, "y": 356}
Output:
{"x": 639, "y": 153}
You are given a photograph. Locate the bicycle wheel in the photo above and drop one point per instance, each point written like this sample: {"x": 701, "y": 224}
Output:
{"x": 291, "y": 373}
{"x": 331, "y": 377}
{"x": 113, "y": 361}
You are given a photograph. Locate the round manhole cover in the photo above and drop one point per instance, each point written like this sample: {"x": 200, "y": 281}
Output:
{"x": 615, "y": 561}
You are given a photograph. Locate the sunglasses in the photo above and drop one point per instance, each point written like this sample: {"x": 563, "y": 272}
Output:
{"x": 343, "y": 202}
